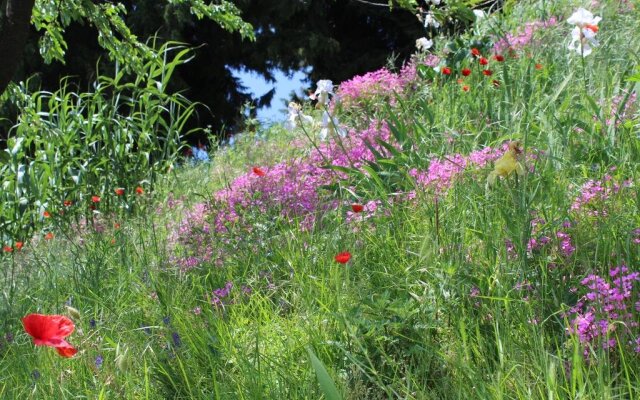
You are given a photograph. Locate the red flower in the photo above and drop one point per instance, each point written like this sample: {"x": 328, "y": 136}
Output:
{"x": 446, "y": 71}
{"x": 46, "y": 214}
{"x": 357, "y": 207}
{"x": 466, "y": 72}
{"x": 67, "y": 203}
{"x": 139, "y": 190}
{"x": 496, "y": 83}
{"x": 475, "y": 52}
{"x": 7, "y": 249}
{"x": 343, "y": 257}
{"x": 258, "y": 171}
{"x": 19, "y": 245}
{"x": 465, "y": 88}
{"x": 49, "y": 236}
{"x": 538, "y": 66}
{"x": 50, "y": 330}
{"x": 483, "y": 61}
{"x": 119, "y": 191}
{"x": 498, "y": 58}
{"x": 116, "y": 225}
{"x": 487, "y": 72}
{"x": 95, "y": 199}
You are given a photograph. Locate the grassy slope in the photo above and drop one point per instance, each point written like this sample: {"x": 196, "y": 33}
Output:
{"x": 398, "y": 320}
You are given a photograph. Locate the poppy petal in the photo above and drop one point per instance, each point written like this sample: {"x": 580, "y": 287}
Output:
{"x": 67, "y": 351}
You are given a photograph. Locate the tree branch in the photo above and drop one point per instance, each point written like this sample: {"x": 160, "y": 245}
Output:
{"x": 14, "y": 31}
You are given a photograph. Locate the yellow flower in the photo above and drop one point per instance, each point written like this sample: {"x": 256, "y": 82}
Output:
{"x": 507, "y": 164}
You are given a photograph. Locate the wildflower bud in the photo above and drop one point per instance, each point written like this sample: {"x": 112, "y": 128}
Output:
{"x": 73, "y": 312}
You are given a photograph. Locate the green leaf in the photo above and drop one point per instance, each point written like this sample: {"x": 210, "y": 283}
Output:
{"x": 327, "y": 386}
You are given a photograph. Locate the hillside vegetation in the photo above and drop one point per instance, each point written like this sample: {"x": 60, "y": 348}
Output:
{"x": 467, "y": 227}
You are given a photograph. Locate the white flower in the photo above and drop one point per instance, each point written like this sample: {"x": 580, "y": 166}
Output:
{"x": 295, "y": 116}
{"x": 479, "y": 14}
{"x": 330, "y": 122}
{"x": 423, "y": 44}
{"x": 435, "y": 2}
{"x": 429, "y": 19}
{"x": 583, "y": 36}
{"x": 324, "y": 88}
{"x": 582, "y": 18}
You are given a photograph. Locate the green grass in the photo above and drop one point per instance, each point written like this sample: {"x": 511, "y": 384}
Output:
{"x": 399, "y": 320}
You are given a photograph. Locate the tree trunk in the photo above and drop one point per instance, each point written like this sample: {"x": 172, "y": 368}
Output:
{"x": 14, "y": 30}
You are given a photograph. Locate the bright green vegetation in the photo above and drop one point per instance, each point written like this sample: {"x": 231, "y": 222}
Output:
{"x": 445, "y": 297}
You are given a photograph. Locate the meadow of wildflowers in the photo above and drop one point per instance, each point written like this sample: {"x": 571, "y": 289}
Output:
{"x": 466, "y": 226}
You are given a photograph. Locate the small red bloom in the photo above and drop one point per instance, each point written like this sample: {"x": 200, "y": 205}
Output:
{"x": 116, "y": 225}
{"x": 258, "y": 171}
{"x": 592, "y": 28}
{"x": 483, "y": 61}
{"x": 475, "y": 52}
{"x": 538, "y": 66}
{"x": 50, "y": 330}
{"x": 46, "y": 214}
{"x": 357, "y": 207}
{"x": 139, "y": 190}
{"x": 95, "y": 199}
{"x": 466, "y": 72}
{"x": 49, "y": 236}
{"x": 487, "y": 72}
{"x": 119, "y": 191}
{"x": 496, "y": 83}
{"x": 7, "y": 249}
{"x": 465, "y": 88}
{"x": 498, "y": 58}
{"x": 19, "y": 245}
{"x": 343, "y": 257}
{"x": 446, "y": 71}
{"x": 67, "y": 203}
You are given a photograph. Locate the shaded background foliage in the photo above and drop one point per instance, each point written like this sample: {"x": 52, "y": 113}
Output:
{"x": 337, "y": 39}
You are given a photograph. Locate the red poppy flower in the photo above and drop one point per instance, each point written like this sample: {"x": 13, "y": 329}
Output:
{"x": 357, "y": 207}
{"x": 7, "y": 249}
{"x": 465, "y": 88}
{"x": 50, "y": 330}
{"x": 49, "y": 236}
{"x": 538, "y": 66}
{"x": 466, "y": 72}
{"x": 19, "y": 245}
{"x": 446, "y": 71}
{"x": 475, "y": 52}
{"x": 67, "y": 203}
{"x": 496, "y": 83}
{"x": 343, "y": 257}
{"x": 498, "y": 58}
{"x": 46, "y": 214}
{"x": 119, "y": 191}
{"x": 116, "y": 225}
{"x": 95, "y": 199}
{"x": 139, "y": 190}
{"x": 483, "y": 61}
{"x": 258, "y": 171}
{"x": 487, "y": 72}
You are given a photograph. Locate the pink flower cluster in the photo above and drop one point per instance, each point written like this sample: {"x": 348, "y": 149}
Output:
{"x": 608, "y": 310}
{"x": 522, "y": 37}
{"x": 617, "y": 114}
{"x": 594, "y": 193}
{"x": 442, "y": 172}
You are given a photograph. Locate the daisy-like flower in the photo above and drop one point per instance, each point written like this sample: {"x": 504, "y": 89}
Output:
{"x": 424, "y": 44}
{"x": 583, "y": 36}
